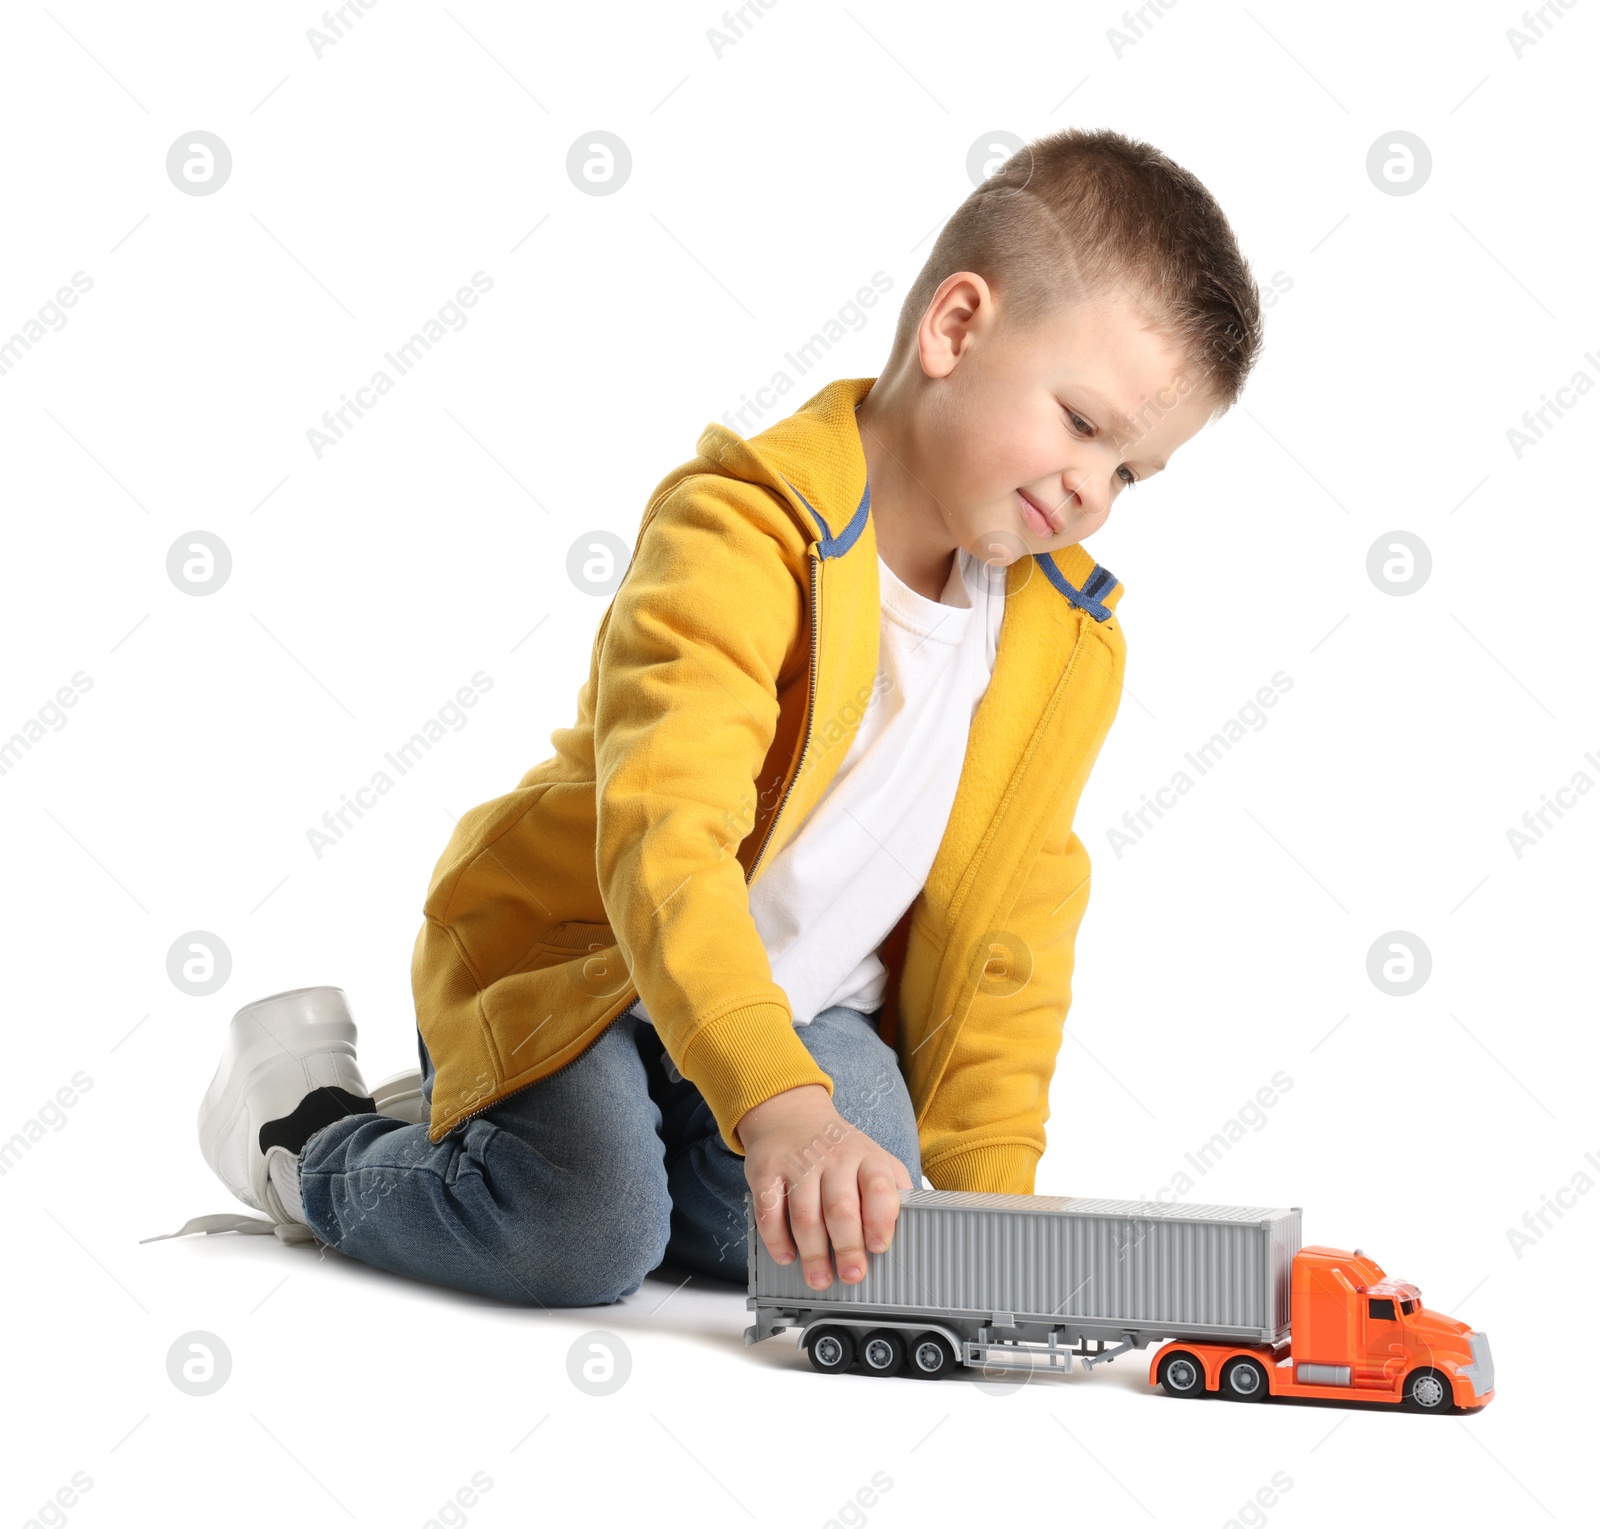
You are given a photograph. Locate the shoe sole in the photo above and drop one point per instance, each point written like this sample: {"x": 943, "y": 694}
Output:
{"x": 400, "y": 1096}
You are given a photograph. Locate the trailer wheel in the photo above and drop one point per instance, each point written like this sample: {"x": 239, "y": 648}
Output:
{"x": 931, "y": 1356}
{"x": 883, "y": 1352}
{"x": 1428, "y": 1391}
{"x": 831, "y": 1350}
{"x": 1182, "y": 1374}
{"x": 1243, "y": 1380}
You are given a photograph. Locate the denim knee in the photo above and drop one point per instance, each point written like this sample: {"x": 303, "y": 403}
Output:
{"x": 608, "y": 1257}
{"x": 592, "y": 1243}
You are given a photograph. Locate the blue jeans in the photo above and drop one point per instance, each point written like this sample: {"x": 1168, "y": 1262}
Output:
{"x": 570, "y": 1191}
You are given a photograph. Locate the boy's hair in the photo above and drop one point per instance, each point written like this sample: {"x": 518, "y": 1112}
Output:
{"x": 1078, "y": 214}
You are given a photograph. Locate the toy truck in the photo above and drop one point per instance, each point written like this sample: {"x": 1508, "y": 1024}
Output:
{"x": 1241, "y": 1309}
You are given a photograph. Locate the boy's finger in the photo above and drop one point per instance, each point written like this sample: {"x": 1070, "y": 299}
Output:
{"x": 810, "y": 1235}
{"x": 880, "y": 1206}
{"x": 841, "y": 1206}
{"x": 772, "y": 1215}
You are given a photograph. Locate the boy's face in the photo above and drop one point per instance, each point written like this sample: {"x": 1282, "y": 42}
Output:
{"x": 1032, "y": 434}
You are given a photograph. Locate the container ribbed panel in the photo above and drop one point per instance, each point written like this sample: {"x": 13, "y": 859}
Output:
{"x": 1060, "y": 1257}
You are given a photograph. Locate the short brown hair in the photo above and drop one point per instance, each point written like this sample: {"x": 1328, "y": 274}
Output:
{"x": 1076, "y": 214}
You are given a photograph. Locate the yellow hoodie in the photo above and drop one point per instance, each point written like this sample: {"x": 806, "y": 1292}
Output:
{"x": 728, "y": 677}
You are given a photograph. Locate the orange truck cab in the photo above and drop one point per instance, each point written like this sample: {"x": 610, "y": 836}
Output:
{"x": 1354, "y": 1335}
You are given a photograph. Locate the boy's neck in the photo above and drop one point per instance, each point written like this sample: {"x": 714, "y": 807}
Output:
{"x": 911, "y": 532}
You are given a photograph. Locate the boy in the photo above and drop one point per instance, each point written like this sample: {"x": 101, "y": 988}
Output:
{"x": 792, "y": 907}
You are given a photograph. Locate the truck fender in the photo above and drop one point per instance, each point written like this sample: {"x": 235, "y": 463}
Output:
{"x": 1208, "y": 1355}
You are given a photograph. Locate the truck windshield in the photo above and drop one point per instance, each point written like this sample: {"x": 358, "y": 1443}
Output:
{"x": 1407, "y": 1306}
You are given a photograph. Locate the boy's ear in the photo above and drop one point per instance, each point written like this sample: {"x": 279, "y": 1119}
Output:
{"x": 962, "y": 302}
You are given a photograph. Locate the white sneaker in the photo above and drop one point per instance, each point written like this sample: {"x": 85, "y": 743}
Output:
{"x": 288, "y": 1068}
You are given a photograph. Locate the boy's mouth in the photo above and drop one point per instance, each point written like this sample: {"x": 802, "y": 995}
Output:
{"x": 1039, "y": 520}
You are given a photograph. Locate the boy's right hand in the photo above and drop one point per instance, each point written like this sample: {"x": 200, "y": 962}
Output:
{"x": 814, "y": 1178}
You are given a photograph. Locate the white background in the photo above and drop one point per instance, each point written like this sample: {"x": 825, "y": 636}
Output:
{"x": 1409, "y": 334}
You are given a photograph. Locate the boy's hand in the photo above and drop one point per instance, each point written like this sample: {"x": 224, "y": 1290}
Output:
{"x": 811, "y": 1171}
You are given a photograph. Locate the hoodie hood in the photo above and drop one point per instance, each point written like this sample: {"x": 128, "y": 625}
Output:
{"x": 814, "y": 462}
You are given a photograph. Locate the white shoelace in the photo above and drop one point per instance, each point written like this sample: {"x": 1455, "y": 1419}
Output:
{"x": 284, "y": 1224}
{"x": 284, "y": 1231}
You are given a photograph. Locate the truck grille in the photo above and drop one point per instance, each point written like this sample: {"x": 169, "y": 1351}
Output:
{"x": 1481, "y": 1371}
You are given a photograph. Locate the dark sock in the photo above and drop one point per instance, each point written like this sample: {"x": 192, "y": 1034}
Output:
{"x": 321, "y": 1107}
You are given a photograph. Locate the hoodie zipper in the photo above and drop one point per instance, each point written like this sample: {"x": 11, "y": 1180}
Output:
{"x": 811, "y": 697}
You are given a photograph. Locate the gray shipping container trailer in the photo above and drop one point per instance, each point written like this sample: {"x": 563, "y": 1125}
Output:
{"x": 1015, "y": 1278}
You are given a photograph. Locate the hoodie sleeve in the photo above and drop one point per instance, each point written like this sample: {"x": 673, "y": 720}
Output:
{"x": 708, "y": 616}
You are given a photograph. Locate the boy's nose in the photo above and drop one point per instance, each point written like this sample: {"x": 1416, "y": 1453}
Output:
{"x": 1073, "y": 498}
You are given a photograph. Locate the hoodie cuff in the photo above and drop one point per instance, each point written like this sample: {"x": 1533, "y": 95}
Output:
{"x": 745, "y": 1057}
{"x": 1006, "y": 1169}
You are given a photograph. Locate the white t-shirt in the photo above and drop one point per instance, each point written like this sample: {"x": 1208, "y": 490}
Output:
{"x": 858, "y": 861}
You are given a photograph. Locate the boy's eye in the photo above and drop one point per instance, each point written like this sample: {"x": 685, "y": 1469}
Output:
{"x": 1085, "y": 428}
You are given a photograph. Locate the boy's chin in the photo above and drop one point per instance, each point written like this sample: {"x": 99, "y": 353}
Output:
{"x": 1001, "y": 546}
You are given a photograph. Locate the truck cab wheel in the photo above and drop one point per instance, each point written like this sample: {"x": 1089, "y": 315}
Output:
{"x": 1243, "y": 1380}
{"x": 883, "y": 1352}
{"x": 831, "y": 1349}
{"x": 1182, "y": 1374}
{"x": 1428, "y": 1391}
{"x": 931, "y": 1356}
